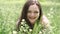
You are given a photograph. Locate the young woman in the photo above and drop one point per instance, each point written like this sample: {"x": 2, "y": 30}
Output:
{"x": 32, "y": 12}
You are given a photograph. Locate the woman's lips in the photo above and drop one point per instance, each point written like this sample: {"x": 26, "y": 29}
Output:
{"x": 32, "y": 17}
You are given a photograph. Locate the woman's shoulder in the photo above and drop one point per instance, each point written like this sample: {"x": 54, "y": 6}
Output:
{"x": 45, "y": 21}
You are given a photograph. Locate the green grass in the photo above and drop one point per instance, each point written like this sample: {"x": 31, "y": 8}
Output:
{"x": 10, "y": 11}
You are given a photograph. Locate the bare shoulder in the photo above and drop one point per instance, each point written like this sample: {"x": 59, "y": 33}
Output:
{"x": 45, "y": 20}
{"x": 46, "y": 23}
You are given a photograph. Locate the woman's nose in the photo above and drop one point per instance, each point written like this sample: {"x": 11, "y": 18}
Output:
{"x": 32, "y": 14}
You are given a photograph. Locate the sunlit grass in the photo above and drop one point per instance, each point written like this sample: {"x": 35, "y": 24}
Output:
{"x": 10, "y": 11}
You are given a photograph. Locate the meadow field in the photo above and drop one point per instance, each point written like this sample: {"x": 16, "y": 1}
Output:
{"x": 10, "y": 11}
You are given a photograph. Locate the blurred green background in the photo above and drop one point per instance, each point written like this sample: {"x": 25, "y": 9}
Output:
{"x": 10, "y": 11}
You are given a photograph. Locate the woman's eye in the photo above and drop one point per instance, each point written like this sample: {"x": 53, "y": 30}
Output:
{"x": 36, "y": 12}
{"x": 29, "y": 11}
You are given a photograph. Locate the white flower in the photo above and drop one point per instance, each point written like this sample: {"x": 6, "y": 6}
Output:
{"x": 40, "y": 32}
{"x": 22, "y": 23}
{"x": 23, "y": 20}
{"x": 30, "y": 30}
{"x": 22, "y": 27}
{"x": 14, "y": 32}
{"x": 25, "y": 30}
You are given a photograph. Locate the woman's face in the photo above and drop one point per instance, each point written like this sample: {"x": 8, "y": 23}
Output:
{"x": 33, "y": 13}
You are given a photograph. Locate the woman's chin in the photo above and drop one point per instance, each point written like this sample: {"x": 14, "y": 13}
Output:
{"x": 32, "y": 22}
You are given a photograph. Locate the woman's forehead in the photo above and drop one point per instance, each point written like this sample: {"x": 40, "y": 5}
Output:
{"x": 33, "y": 7}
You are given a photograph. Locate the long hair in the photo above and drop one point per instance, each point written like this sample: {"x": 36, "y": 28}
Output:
{"x": 25, "y": 10}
